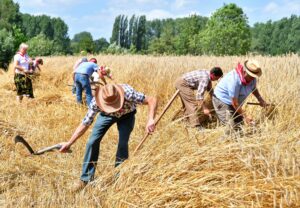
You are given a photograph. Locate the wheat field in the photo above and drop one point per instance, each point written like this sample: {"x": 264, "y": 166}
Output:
{"x": 177, "y": 166}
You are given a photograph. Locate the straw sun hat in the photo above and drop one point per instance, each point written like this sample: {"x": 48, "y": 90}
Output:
{"x": 110, "y": 98}
{"x": 252, "y": 68}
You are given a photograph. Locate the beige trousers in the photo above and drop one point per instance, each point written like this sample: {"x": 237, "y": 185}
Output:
{"x": 189, "y": 102}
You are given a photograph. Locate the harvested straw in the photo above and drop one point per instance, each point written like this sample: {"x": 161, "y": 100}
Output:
{"x": 178, "y": 166}
{"x": 9, "y": 130}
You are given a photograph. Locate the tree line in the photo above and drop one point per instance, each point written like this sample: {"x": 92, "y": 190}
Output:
{"x": 276, "y": 38}
{"x": 226, "y": 32}
{"x": 45, "y": 35}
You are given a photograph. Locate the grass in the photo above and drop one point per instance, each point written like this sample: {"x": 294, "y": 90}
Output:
{"x": 177, "y": 166}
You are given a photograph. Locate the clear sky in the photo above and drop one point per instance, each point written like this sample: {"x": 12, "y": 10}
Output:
{"x": 97, "y": 17}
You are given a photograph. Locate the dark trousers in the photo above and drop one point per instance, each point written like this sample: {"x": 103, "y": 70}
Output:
{"x": 227, "y": 115}
{"x": 103, "y": 123}
{"x": 23, "y": 85}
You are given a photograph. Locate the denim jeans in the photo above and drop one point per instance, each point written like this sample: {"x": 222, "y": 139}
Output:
{"x": 125, "y": 126}
{"x": 74, "y": 89}
{"x": 82, "y": 82}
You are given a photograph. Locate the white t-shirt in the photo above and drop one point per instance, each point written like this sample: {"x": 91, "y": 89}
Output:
{"x": 23, "y": 61}
{"x": 95, "y": 76}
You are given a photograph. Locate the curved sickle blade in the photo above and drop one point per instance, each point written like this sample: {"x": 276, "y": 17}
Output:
{"x": 20, "y": 139}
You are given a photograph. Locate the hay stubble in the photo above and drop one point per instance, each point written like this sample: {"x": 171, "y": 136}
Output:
{"x": 177, "y": 166}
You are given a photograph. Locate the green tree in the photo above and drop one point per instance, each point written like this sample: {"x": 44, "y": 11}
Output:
{"x": 166, "y": 43}
{"x": 188, "y": 30}
{"x": 154, "y": 29}
{"x": 123, "y": 32}
{"x": 115, "y": 49}
{"x": 116, "y": 31}
{"x": 30, "y": 25}
{"x": 130, "y": 31}
{"x": 293, "y": 39}
{"x": 9, "y": 14}
{"x": 19, "y": 37}
{"x": 60, "y": 37}
{"x": 120, "y": 33}
{"x": 46, "y": 26}
{"x": 261, "y": 37}
{"x": 134, "y": 34}
{"x": 53, "y": 28}
{"x": 10, "y": 34}
{"x": 227, "y": 32}
{"x": 101, "y": 45}
{"x": 83, "y": 42}
{"x": 6, "y": 48}
{"x": 276, "y": 38}
{"x": 40, "y": 45}
{"x": 141, "y": 33}
{"x": 285, "y": 36}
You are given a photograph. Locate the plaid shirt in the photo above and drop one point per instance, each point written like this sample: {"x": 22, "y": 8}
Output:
{"x": 200, "y": 80}
{"x": 131, "y": 98}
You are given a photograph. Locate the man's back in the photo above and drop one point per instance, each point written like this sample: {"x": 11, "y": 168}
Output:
{"x": 194, "y": 78}
{"x": 87, "y": 68}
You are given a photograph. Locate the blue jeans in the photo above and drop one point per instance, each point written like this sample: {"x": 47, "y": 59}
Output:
{"x": 82, "y": 82}
{"x": 74, "y": 89}
{"x": 103, "y": 123}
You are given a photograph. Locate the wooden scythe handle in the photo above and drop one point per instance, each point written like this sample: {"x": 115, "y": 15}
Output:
{"x": 250, "y": 103}
{"x": 157, "y": 120}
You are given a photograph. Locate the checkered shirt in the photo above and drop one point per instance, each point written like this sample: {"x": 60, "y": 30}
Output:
{"x": 200, "y": 80}
{"x": 131, "y": 98}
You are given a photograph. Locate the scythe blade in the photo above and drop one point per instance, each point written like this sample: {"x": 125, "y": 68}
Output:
{"x": 20, "y": 139}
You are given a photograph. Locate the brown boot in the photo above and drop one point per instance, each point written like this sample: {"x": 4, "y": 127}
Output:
{"x": 78, "y": 186}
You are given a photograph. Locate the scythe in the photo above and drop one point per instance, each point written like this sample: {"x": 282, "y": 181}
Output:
{"x": 20, "y": 139}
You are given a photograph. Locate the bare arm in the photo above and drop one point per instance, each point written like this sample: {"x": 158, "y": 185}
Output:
{"x": 259, "y": 98}
{"x": 152, "y": 104}
{"x": 204, "y": 85}
{"x": 239, "y": 109}
{"x": 202, "y": 104}
{"x": 38, "y": 68}
{"x": 78, "y": 62}
{"x": 81, "y": 129}
{"x": 101, "y": 76}
{"x": 17, "y": 66}
{"x": 73, "y": 76}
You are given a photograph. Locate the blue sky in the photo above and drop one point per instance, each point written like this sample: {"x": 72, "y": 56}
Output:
{"x": 97, "y": 17}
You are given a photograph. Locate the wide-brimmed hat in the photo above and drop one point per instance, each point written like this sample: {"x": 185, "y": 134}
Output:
{"x": 110, "y": 98}
{"x": 252, "y": 68}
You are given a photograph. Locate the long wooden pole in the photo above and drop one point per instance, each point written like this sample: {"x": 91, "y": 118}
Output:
{"x": 250, "y": 103}
{"x": 157, "y": 120}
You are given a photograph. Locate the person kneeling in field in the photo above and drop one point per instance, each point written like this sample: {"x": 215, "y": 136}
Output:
{"x": 116, "y": 104}
{"x": 231, "y": 92}
{"x": 199, "y": 80}
{"x": 35, "y": 64}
